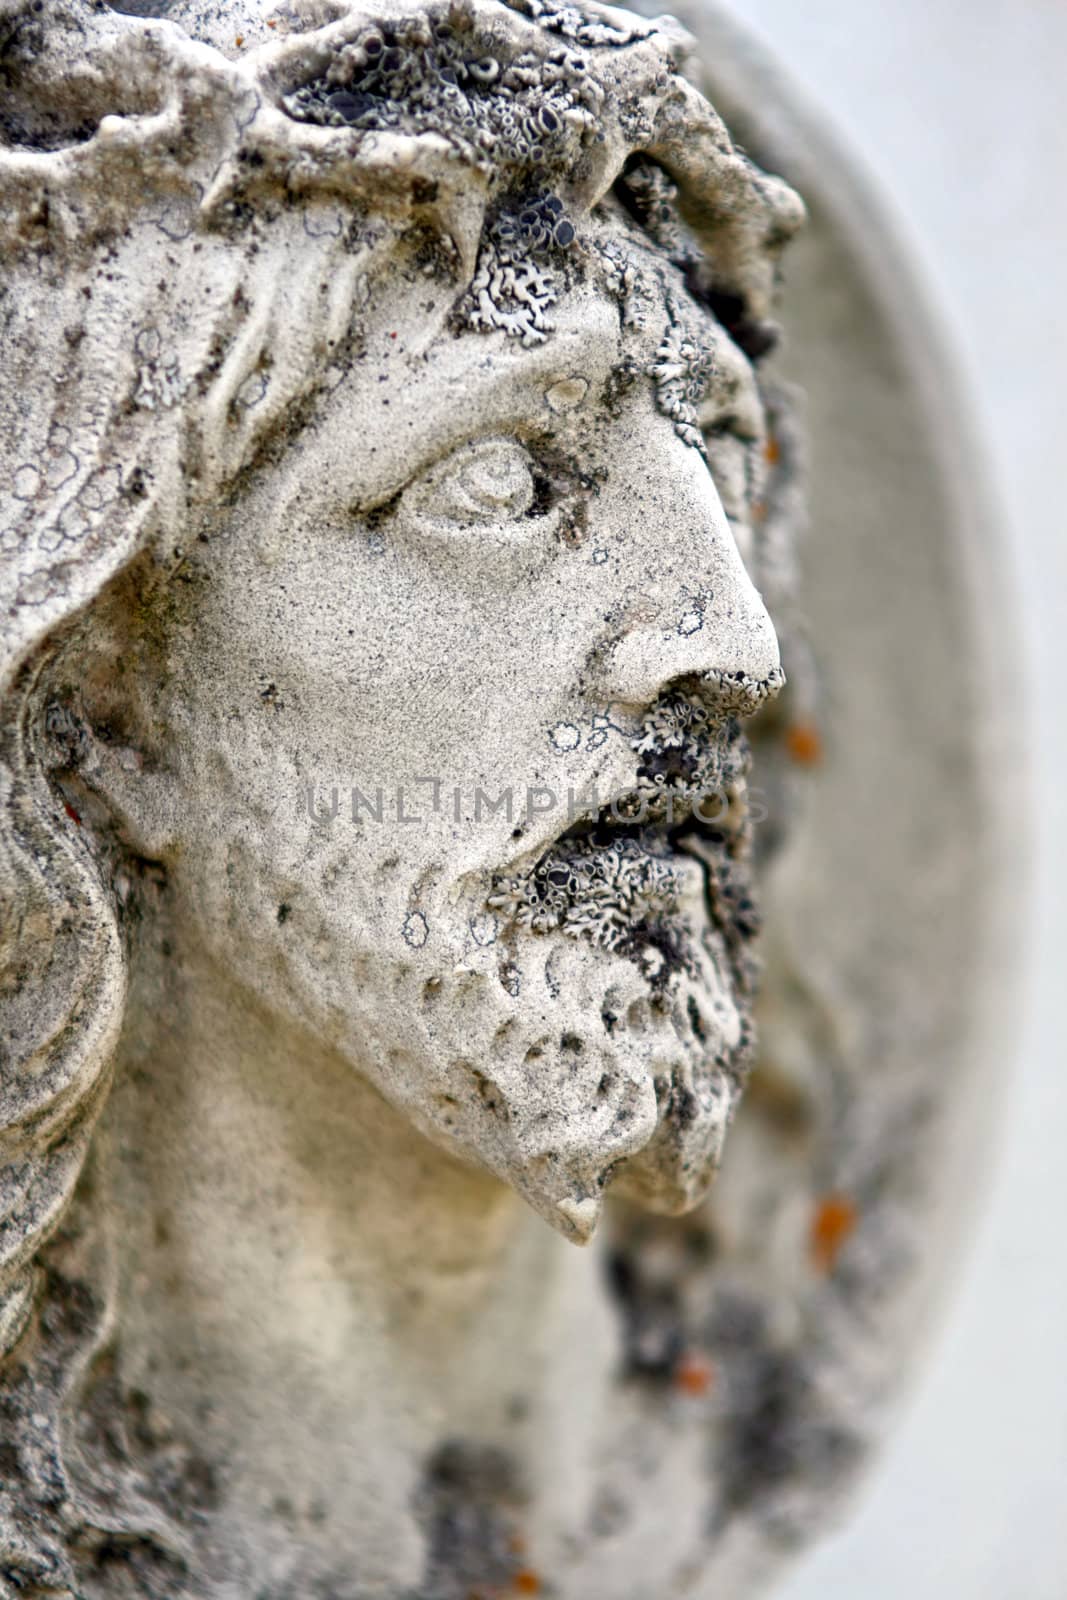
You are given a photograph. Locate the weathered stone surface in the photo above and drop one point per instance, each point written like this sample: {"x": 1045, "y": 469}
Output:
{"x": 389, "y": 482}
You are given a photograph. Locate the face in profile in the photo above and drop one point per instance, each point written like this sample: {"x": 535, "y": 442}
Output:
{"x": 430, "y": 643}
{"x": 446, "y": 715}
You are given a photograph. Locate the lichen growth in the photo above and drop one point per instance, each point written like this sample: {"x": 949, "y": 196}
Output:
{"x": 614, "y": 883}
{"x": 572, "y": 23}
{"x": 436, "y": 73}
{"x": 600, "y": 891}
{"x": 517, "y": 120}
{"x": 681, "y": 372}
{"x": 513, "y": 287}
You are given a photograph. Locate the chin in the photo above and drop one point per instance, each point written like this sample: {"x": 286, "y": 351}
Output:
{"x": 567, "y": 1064}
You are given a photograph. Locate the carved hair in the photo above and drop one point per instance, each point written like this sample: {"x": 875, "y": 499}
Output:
{"x": 149, "y": 182}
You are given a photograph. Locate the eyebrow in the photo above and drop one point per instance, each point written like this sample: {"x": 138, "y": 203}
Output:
{"x": 469, "y": 386}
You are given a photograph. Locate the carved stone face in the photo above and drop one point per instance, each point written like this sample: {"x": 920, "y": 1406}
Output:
{"x": 492, "y": 590}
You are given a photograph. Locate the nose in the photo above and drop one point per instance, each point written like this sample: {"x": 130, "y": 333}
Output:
{"x": 687, "y": 607}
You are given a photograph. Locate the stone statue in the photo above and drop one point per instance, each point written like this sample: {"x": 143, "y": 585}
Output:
{"x": 382, "y": 453}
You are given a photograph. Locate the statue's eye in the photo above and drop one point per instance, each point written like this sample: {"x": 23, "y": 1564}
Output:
{"x": 489, "y": 482}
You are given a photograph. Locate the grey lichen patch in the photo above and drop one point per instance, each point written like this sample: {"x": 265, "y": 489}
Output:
{"x": 513, "y": 287}
{"x": 618, "y": 878}
{"x": 601, "y": 891}
{"x": 440, "y": 73}
{"x": 470, "y": 1503}
{"x": 571, "y": 22}
{"x": 517, "y": 117}
{"x": 681, "y": 372}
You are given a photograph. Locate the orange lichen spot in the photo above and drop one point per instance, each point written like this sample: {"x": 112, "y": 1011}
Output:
{"x": 832, "y": 1225}
{"x": 694, "y": 1374}
{"x": 527, "y": 1582}
{"x": 804, "y": 744}
{"x": 772, "y": 451}
{"x": 239, "y": 41}
{"x": 71, "y": 813}
{"x": 271, "y": 23}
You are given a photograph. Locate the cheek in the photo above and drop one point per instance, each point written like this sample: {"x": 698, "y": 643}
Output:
{"x": 286, "y": 913}
{"x": 390, "y": 669}
{"x": 373, "y": 662}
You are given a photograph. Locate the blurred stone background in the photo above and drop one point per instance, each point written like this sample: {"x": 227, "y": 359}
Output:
{"x": 959, "y": 113}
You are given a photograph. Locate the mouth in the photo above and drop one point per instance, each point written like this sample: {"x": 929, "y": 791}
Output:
{"x": 659, "y": 866}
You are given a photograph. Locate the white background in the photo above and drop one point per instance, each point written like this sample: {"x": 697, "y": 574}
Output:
{"x": 958, "y": 108}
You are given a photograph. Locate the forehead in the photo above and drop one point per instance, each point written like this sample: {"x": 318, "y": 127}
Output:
{"x": 418, "y": 387}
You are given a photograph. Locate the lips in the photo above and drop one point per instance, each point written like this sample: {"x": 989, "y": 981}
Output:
{"x": 628, "y": 876}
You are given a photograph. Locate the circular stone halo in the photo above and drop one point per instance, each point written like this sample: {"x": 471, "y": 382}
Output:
{"x": 790, "y": 1306}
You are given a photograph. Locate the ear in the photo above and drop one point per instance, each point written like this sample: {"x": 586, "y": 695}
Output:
{"x": 116, "y": 795}
{"x": 112, "y": 790}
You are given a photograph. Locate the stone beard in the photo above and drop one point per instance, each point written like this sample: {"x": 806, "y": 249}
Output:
{"x": 396, "y": 423}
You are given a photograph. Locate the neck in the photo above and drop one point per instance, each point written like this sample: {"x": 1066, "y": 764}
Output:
{"x": 316, "y": 1297}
